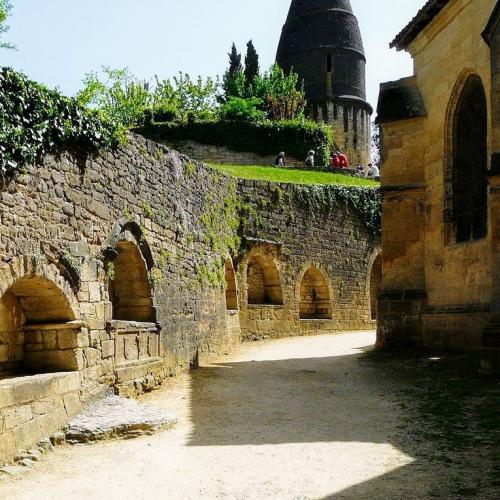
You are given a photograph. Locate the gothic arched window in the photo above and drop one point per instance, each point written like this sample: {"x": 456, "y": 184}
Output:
{"x": 470, "y": 162}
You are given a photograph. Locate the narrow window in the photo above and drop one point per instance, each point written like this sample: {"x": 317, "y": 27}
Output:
{"x": 470, "y": 162}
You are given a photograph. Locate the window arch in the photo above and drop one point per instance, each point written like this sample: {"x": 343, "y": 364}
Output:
{"x": 231, "y": 289}
{"x": 130, "y": 290}
{"x": 315, "y": 301}
{"x": 469, "y": 159}
{"x": 263, "y": 281}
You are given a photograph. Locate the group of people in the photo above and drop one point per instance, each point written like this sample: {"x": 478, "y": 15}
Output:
{"x": 337, "y": 161}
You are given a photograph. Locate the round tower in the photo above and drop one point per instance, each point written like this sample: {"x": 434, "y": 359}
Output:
{"x": 321, "y": 41}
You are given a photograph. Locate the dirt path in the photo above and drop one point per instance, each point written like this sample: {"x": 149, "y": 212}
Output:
{"x": 299, "y": 418}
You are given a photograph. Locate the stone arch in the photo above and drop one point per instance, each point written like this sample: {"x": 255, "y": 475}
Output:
{"x": 374, "y": 281}
{"x": 315, "y": 295}
{"x": 38, "y": 319}
{"x": 231, "y": 288}
{"x": 466, "y": 161}
{"x": 263, "y": 280}
{"x": 129, "y": 285}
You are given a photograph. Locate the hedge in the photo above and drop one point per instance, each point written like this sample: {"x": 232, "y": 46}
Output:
{"x": 35, "y": 121}
{"x": 264, "y": 138}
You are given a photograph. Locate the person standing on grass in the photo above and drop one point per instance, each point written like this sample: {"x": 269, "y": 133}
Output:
{"x": 335, "y": 161}
{"x": 310, "y": 159}
{"x": 280, "y": 160}
{"x": 375, "y": 171}
{"x": 344, "y": 162}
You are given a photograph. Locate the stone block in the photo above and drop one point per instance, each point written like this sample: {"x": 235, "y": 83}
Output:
{"x": 4, "y": 353}
{"x": 108, "y": 348}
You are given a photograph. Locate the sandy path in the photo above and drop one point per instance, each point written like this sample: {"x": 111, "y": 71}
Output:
{"x": 290, "y": 419}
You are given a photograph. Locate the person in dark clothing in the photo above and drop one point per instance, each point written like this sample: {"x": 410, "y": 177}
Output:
{"x": 280, "y": 160}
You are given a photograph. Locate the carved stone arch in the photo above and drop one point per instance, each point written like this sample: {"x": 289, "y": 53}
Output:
{"x": 263, "y": 277}
{"x": 134, "y": 229}
{"x": 315, "y": 293}
{"x": 39, "y": 318}
{"x": 129, "y": 264}
{"x": 465, "y": 179}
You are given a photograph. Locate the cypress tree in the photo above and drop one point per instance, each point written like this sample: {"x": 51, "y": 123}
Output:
{"x": 233, "y": 75}
{"x": 251, "y": 65}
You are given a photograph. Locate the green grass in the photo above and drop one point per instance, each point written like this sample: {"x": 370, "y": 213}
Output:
{"x": 293, "y": 176}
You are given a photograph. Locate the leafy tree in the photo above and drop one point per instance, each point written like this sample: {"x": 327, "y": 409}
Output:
{"x": 284, "y": 98}
{"x": 252, "y": 69}
{"x": 5, "y": 10}
{"x": 185, "y": 98}
{"x": 121, "y": 97}
{"x": 377, "y": 143}
{"x": 234, "y": 78}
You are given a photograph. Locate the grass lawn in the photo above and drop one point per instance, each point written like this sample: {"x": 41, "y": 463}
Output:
{"x": 293, "y": 176}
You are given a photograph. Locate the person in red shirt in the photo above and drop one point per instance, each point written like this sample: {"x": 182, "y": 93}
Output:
{"x": 344, "y": 162}
{"x": 335, "y": 161}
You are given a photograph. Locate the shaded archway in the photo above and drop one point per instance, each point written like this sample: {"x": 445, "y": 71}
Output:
{"x": 130, "y": 290}
{"x": 263, "y": 281}
{"x": 231, "y": 289}
{"x": 375, "y": 285}
{"x": 315, "y": 300}
{"x": 35, "y": 319}
{"x": 467, "y": 161}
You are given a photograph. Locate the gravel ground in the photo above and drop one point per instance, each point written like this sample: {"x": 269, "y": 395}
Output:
{"x": 300, "y": 418}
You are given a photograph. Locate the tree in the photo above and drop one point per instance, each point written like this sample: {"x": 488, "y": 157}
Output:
{"x": 377, "y": 141}
{"x": 121, "y": 97}
{"x": 5, "y": 10}
{"x": 252, "y": 69}
{"x": 234, "y": 78}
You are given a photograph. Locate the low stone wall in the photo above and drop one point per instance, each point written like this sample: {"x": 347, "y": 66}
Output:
{"x": 220, "y": 155}
{"x": 35, "y": 407}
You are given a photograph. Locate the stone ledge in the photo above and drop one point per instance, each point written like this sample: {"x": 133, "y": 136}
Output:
{"x": 116, "y": 417}
{"x": 19, "y": 390}
{"x": 70, "y": 325}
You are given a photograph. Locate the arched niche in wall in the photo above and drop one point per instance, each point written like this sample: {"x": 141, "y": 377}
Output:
{"x": 231, "y": 288}
{"x": 315, "y": 300}
{"x": 129, "y": 285}
{"x": 466, "y": 182}
{"x": 35, "y": 318}
{"x": 263, "y": 281}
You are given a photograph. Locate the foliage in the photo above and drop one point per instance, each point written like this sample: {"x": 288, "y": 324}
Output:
{"x": 185, "y": 98}
{"x": 377, "y": 145}
{"x": 284, "y": 98}
{"x": 120, "y": 96}
{"x": 252, "y": 70}
{"x": 36, "y": 120}
{"x": 263, "y": 138}
{"x": 234, "y": 78}
{"x": 5, "y": 10}
{"x": 292, "y": 176}
{"x": 237, "y": 108}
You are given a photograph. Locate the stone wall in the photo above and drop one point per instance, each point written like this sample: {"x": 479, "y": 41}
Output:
{"x": 291, "y": 240}
{"x": 221, "y": 155}
{"x": 113, "y": 269}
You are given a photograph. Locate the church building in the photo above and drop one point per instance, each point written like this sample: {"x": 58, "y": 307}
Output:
{"x": 441, "y": 183}
{"x": 321, "y": 41}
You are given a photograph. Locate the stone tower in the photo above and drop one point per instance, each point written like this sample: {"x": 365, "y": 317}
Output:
{"x": 321, "y": 41}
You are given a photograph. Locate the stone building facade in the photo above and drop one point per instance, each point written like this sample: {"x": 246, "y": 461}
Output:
{"x": 440, "y": 183}
{"x": 118, "y": 270}
{"x": 321, "y": 41}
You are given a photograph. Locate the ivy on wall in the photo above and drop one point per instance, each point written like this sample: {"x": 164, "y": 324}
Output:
{"x": 35, "y": 121}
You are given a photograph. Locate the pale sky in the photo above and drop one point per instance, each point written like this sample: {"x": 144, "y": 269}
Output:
{"x": 59, "y": 41}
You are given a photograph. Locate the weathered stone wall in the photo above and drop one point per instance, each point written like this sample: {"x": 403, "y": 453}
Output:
{"x": 283, "y": 229}
{"x": 113, "y": 268}
{"x": 213, "y": 154}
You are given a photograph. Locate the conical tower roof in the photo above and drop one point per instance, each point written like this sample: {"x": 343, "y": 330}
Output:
{"x": 315, "y": 30}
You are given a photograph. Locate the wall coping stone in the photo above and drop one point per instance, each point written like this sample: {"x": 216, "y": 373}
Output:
{"x": 70, "y": 325}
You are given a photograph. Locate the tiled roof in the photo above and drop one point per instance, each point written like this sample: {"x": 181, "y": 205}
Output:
{"x": 423, "y": 18}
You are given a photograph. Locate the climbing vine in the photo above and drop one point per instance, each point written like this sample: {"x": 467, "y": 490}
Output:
{"x": 36, "y": 121}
